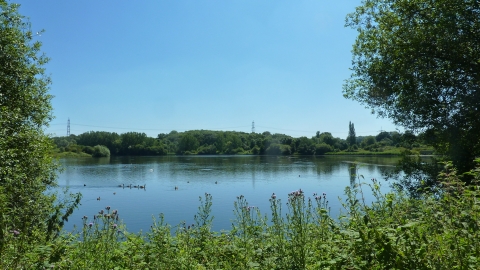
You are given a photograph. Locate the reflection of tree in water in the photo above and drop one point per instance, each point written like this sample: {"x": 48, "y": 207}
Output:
{"x": 352, "y": 170}
{"x": 371, "y": 168}
{"x": 325, "y": 168}
{"x": 386, "y": 170}
{"x": 253, "y": 177}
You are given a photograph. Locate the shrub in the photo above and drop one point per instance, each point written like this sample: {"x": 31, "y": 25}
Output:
{"x": 100, "y": 151}
{"x": 322, "y": 148}
{"x": 207, "y": 150}
{"x": 88, "y": 149}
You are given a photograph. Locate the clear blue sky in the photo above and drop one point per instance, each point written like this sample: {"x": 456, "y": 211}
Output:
{"x": 157, "y": 66}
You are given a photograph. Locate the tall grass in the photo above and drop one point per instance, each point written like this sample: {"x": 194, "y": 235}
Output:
{"x": 438, "y": 230}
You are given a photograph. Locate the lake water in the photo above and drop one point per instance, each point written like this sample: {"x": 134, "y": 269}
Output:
{"x": 225, "y": 177}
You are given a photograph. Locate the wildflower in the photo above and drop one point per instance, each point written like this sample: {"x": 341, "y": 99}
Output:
{"x": 16, "y": 233}
{"x": 85, "y": 217}
{"x": 108, "y": 208}
{"x": 114, "y": 226}
{"x": 90, "y": 224}
{"x": 274, "y": 196}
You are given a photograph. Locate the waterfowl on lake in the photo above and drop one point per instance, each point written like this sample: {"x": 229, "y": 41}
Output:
{"x": 176, "y": 187}
{"x": 216, "y": 182}
{"x": 143, "y": 186}
{"x": 84, "y": 185}
{"x": 114, "y": 193}
{"x": 98, "y": 199}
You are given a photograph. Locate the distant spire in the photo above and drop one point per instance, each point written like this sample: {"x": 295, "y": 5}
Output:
{"x": 68, "y": 127}
{"x": 253, "y": 126}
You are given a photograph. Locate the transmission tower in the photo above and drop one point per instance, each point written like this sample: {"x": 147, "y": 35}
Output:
{"x": 68, "y": 127}
{"x": 253, "y": 126}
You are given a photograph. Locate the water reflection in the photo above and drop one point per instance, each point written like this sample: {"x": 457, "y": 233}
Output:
{"x": 225, "y": 177}
{"x": 352, "y": 170}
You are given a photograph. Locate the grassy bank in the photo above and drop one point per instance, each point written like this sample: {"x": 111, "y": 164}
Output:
{"x": 69, "y": 154}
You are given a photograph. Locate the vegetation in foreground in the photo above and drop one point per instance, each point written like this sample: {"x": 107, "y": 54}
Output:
{"x": 439, "y": 230}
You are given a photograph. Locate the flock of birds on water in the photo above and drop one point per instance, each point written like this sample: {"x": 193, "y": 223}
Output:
{"x": 137, "y": 186}
{"x": 145, "y": 185}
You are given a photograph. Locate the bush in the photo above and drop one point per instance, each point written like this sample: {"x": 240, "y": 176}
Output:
{"x": 322, "y": 148}
{"x": 156, "y": 150}
{"x": 88, "y": 149}
{"x": 100, "y": 151}
{"x": 286, "y": 149}
{"x": 207, "y": 150}
{"x": 274, "y": 149}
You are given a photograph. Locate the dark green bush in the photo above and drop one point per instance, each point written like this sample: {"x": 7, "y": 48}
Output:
{"x": 322, "y": 148}
{"x": 100, "y": 151}
{"x": 88, "y": 149}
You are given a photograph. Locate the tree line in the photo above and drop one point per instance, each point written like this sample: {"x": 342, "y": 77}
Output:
{"x": 207, "y": 142}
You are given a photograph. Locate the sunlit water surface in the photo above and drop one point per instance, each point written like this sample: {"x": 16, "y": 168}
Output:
{"x": 225, "y": 177}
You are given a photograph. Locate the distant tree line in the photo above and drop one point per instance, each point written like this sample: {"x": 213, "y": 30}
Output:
{"x": 207, "y": 142}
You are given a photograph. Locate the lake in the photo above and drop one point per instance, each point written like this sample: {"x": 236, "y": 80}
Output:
{"x": 225, "y": 177}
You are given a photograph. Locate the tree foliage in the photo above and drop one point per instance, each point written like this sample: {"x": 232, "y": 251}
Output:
{"x": 352, "y": 138}
{"x": 29, "y": 208}
{"x": 208, "y": 142}
{"x": 100, "y": 151}
{"x": 418, "y": 63}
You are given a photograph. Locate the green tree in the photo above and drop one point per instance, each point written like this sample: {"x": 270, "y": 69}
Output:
{"x": 306, "y": 146}
{"x": 323, "y": 148}
{"x": 382, "y": 136}
{"x": 369, "y": 140}
{"x": 100, "y": 151}
{"x": 93, "y": 138}
{"x": 352, "y": 138}
{"x": 188, "y": 142}
{"x": 132, "y": 141}
{"x": 417, "y": 62}
{"x": 27, "y": 172}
